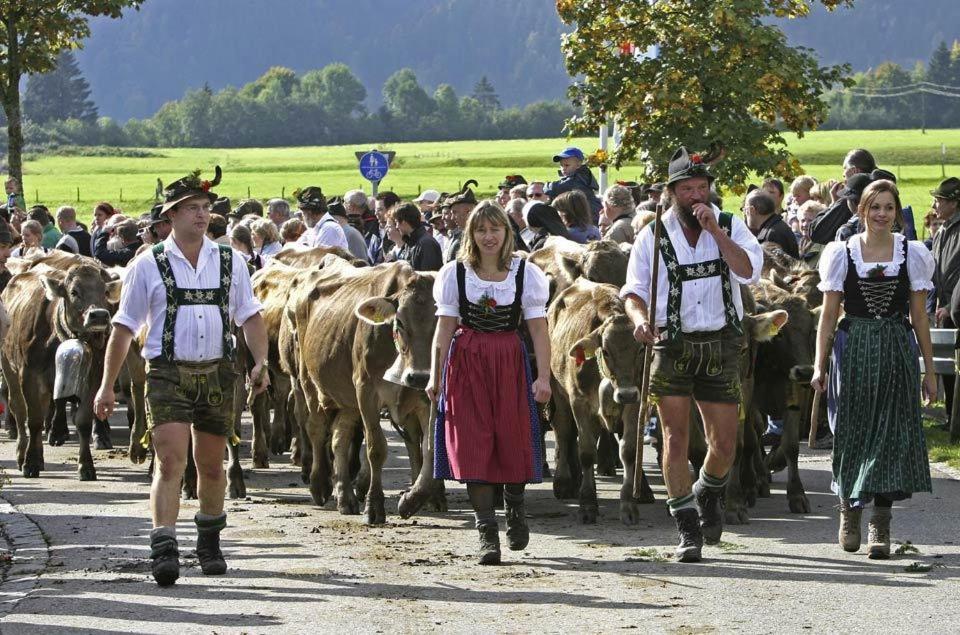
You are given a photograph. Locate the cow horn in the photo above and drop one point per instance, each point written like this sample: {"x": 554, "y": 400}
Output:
{"x": 467, "y": 184}
{"x": 218, "y": 174}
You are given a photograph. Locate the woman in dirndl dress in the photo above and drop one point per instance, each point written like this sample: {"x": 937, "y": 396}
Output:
{"x": 487, "y": 428}
{"x": 873, "y": 388}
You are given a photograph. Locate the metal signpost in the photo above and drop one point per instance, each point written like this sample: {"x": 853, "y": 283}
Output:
{"x": 374, "y": 166}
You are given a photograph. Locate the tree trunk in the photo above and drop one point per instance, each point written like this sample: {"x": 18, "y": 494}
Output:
{"x": 11, "y": 107}
{"x": 10, "y": 93}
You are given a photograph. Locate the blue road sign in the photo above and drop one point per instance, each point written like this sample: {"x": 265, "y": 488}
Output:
{"x": 374, "y": 166}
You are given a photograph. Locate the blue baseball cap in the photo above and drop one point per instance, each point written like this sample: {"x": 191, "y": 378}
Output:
{"x": 568, "y": 153}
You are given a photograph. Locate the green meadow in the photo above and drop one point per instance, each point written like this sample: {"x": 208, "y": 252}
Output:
{"x": 130, "y": 183}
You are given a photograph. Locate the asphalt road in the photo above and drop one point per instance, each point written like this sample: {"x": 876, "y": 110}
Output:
{"x": 80, "y": 563}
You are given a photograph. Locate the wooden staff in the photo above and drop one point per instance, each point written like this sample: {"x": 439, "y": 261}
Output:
{"x": 648, "y": 354}
{"x": 814, "y": 418}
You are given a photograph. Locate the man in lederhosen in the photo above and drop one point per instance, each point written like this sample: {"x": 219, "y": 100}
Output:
{"x": 187, "y": 290}
{"x": 705, "y": 255}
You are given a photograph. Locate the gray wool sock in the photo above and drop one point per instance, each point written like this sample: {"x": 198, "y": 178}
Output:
{"x": 158, "y": 532}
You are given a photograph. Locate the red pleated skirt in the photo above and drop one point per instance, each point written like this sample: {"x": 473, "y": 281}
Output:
{"x": 487, "y": 426}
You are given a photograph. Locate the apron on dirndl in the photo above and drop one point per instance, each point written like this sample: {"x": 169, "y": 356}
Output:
{"x": 873, "y": 396}
{"x": 487, "y": 427}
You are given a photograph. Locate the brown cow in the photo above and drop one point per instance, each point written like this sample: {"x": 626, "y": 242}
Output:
{"x": 296, "y": 256}
{"x": 597, "y": 365}
{"x": 272, "y": 286}
{"x": 46, "y": 308}
{"x": 563, "y": 261}
{"x": 350, "y": 327}
{"x": 784, "y": 367}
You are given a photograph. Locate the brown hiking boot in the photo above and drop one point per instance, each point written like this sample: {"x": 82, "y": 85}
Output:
{"x": 878, "y": 534}
{"x": 849, "y": 535}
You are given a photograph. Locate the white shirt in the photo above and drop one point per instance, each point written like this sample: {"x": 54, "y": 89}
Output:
{"x": 536, "y": 289}
{"x": 270, "y": 250}
{"x": 833, "y": 263}
{"x": 326, "y": 233}
{"x": 701, "y": 306}
{"x": 198, "y": 335}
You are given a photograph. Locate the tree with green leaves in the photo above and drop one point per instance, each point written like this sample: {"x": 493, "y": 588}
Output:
{"x": 484, "y": 92}
{"x": 63, "y": 93}
{"x": 31, "y": 38}
{"x": 713, "y": 75}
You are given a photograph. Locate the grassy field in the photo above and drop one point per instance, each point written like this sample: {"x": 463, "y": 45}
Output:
{"x": 268, "y": 172}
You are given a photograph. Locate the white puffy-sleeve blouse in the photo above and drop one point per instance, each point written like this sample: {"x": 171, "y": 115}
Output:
{"x": 536, "y": 289}
{"x": 833, "y": 263}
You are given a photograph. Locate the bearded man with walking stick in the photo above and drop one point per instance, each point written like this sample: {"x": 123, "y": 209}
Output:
{"x": 696, "y": 337}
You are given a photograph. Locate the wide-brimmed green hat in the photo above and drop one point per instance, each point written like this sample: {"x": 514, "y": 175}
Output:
{"x": 948, "y": 189}
{"x": 684, "y": 165}
{"x": 189, "y": 187}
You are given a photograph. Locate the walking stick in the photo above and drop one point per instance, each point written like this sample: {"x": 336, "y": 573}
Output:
{"x": 814, "y": 419}
{"x": 647, "y": 355}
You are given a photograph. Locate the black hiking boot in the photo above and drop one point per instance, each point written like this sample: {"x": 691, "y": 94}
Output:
{"x": 518, "y": 533}
{"x": 101, "y": 435}
{"x": 691, "y": 540}
{"x": 165, "y": 556}
{"x": 489, "y": 543}
{"x": 208, "y": 544}
{"x": 710, "y": 506}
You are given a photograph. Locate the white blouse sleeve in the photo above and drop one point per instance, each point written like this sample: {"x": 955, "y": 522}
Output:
{"x": 445, "y": 292}
{"x": 536, "y": 291}
{"x": 920, "y": 265}
{"x": 833, "y": 266}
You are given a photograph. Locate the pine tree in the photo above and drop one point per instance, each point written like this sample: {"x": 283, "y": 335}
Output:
{"x": 63, "y": 93}
{"x": 940, "y": 72}
{"x": 485, "y": 93}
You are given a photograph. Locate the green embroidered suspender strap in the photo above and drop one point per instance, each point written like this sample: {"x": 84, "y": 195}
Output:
{"x": 677, "y": 274}
{"x": 177, "y": 297}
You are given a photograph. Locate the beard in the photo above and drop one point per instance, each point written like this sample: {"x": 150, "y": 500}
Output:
{"x": 685, "y": 214}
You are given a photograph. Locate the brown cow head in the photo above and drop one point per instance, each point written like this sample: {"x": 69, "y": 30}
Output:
{"x": 85, "y": 299}
{"x": 619, "y": 357}
{"x": 411, "y": 312}
{"x": 600, "y": 261}
{"x": 790, "y": 352}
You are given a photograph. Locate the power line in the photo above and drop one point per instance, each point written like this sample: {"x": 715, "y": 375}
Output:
{"x": 902, "y": 93}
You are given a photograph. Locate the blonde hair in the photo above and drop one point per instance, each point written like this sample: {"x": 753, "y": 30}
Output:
{"x": 803, "y": 183}
{"x": 32, "y": 226}
{"x": 292, "y": 229}
{"x": 265, "y": 230}
{"x": 821, "y": 192}
{"x": 486, "y": 211}
{"x": 811, "y": 206}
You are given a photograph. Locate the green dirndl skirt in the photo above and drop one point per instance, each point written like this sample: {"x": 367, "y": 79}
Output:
{"x": 874, "y": 405}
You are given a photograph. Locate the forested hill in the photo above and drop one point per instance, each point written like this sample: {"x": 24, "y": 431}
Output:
{"x": 149, "y": 57}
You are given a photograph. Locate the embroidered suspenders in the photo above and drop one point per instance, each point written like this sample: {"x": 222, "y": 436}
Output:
{"x": 677, "y": 274}
{"x": 177, "y": 297}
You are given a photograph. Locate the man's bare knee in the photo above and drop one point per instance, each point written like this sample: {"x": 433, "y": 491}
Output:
{"x": 210, "y": 470}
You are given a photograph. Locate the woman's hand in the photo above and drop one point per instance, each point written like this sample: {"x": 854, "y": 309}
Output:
{"x": 432, "y": 389}
{"x": 929, "y": 388}
{"x": 541, "y": 389}
{"x": 819, "y": 381}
